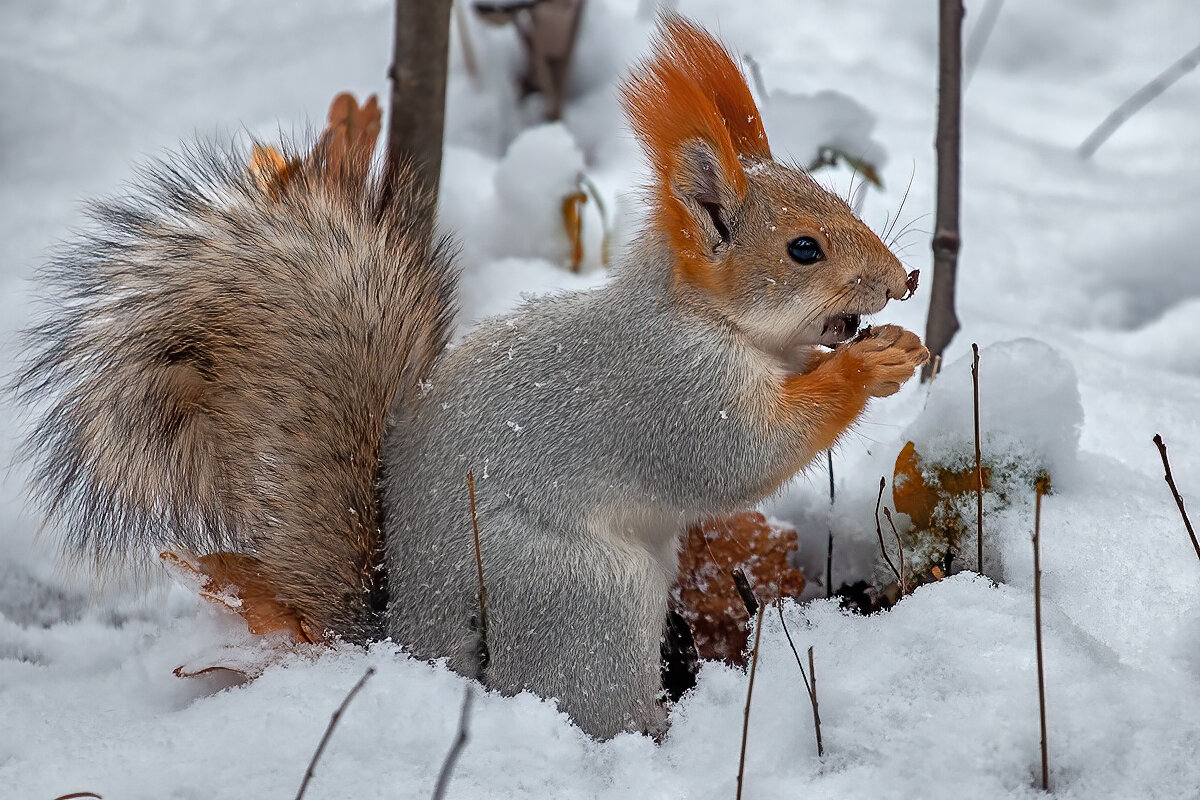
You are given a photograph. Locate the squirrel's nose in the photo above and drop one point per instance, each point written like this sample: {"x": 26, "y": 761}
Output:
{"x": 896, "y": 281}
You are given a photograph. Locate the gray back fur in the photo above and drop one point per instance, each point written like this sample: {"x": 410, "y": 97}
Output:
{"x": 597, "y": 425}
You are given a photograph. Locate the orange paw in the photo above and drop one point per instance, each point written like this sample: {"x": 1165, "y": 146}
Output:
{"x": 888, "y": 356}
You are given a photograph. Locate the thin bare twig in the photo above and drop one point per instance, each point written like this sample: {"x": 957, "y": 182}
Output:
{"x": 809, "y": 687}
{"x": 74, "y": 795}
{"x": 887, "y": 512}
{"x": 978, "y": 459}
{"x": 829, "y": 546}
{"x": 333, "y": 721}
{"x": 749, "y": 695}
{"x": 1137, "y": 101}
{"x": 812, "y": 674}
{"x": 1187, "y": 523}
{"x": 1042, "y": 486}
{"x": 879, "y": 530}
{"x": 745, "y": 592}
{"x": 460, "y": 741}
{"x": 483, "y": 652}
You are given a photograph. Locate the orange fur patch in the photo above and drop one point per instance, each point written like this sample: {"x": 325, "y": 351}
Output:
{"x": 821, "y": 404}
{"x": 691, "y": 89}
{"x": 350, "y": 137}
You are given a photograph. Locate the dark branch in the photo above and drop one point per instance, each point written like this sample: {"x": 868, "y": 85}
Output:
{"x": 416, "y": 115}
{"x": 887, "y": 512}
{"x": 1042, "y": 484}
{"x": 333, "y": 721}
{"x": 943, "y": 320}
{"x": 460, "y": 741}
{"x": 749, "y": 695}
{"x": 483, "y": 651}
{"x": 879, "y": 532}
{"x": 746, "y": 593}
{"x": 811, "y": 688}
{"x": 829, "y": 544}
{"x": 978, "y": 459}
{"x": 1187, "y": 523}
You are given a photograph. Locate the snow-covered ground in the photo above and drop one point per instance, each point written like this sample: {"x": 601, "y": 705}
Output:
{"x": 935, "y": 699}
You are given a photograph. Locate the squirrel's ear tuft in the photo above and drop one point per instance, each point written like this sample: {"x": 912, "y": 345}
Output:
{"x": 689, "y": 101}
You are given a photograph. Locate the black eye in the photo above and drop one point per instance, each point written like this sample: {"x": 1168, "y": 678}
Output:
{"x": 805, "y": 250}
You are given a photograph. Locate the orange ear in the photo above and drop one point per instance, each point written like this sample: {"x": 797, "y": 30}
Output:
{"x": 691, "y": 90}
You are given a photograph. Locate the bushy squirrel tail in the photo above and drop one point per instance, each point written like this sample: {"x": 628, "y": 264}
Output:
{"x": 219, "y": 361}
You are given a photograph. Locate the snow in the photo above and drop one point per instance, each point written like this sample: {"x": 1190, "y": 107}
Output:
{"x": 1029, "y": 409}
{"x": 1079, "y": 280}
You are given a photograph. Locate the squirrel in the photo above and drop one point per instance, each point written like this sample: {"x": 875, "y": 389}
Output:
{"x": 230, "y": 369}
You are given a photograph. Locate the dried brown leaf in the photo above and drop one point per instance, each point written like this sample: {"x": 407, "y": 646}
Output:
{"x": 239, "y": 582}
{"x": 705, "y": 594}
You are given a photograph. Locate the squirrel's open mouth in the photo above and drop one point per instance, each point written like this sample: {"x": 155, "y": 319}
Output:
{"x": 839, "y": 328}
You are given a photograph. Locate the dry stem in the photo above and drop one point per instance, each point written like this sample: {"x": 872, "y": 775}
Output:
{"x": 879, "y": 531}
{"x": 811, "y": 688}
{"x": 749, "y": 695}
{"x": 484, "y": 652}
{"x": 887, "y": 512}
{"x": 829, "y": 545}
{"x": 1187, "y": 523}
{"x": 1037, "y": 614}
{"x": 460, "y": 741}
{"x": 747, "y": 594}
{"x": 333, "y": 721}
{"x": 978, "y": 460}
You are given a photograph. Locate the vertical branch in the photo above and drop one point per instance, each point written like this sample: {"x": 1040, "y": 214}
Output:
{"x": 978, "y": 460}
{"x": 484, "y": 653}
{"x": 749, "y": 695}
{"x": 812, "y": 695}
{"x": 1187, "y": 523}
{"x": 1042, "y": 486}
{"x": 416, "y": 117}
{"x": 811, "y": 688}
{"x": 829, "y": 545}
{"x": 943, "y": 321}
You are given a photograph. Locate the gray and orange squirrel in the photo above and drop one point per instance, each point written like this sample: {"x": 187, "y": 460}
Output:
{"x": 224, "y": 371}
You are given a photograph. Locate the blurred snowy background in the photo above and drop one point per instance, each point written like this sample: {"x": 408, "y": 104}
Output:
{"x": 1079, "y": 279}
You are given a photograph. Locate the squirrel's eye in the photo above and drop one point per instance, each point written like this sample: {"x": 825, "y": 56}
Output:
{"x": 805, "y": 250}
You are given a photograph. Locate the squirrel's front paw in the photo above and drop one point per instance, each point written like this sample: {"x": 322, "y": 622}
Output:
{"x": 888, "y": 356}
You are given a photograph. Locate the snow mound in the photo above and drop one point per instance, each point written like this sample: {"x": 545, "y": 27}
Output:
{"x": 1029, "y": 408}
